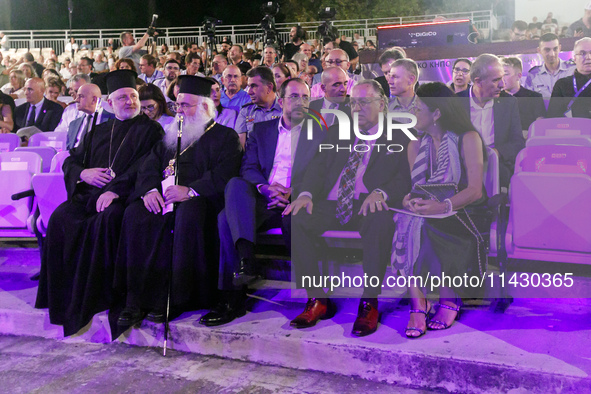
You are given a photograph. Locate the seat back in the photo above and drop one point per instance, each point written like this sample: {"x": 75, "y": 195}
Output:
{"x": 492, "y": 183}
{"x": 550, "y": 196}
{"x": 559, "y": 127}
{"x": 9, "y": 142}
{"x": 16, "y": 170}
{"x": 551, "y": 211}
{"x": 50, "y": 191}
{"x": 46, "y": 152}
{"x": 564, "y": 159}
{"x": 55, "y": 140}
{"x": 579, "y": 140}
{"x": 58, "y": 161}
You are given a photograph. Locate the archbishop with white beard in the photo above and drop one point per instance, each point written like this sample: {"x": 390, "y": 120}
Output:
{"x": 152, "y": 238}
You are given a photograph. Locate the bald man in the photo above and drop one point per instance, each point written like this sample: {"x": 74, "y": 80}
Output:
{"x": 334, "y": 85}
{"x": 88, "y": 103}
{"x": 37, "y": 111}
{"x": 337, "y": 58}
{"x": 233, "y": 96}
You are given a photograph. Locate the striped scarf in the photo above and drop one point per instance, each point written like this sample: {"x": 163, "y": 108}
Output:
{"x": 447, "y": 169}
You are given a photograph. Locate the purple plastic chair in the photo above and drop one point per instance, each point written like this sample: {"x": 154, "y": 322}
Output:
{"x": 52, "y": 139}
{"x": 550, "y": 195}
{"x": 46, "y": 152}
{"x": 9, "y": 142}
{"x": 559, "y": 127}
{"x": 16, "y": 171}
{"x": 50, "y": 190}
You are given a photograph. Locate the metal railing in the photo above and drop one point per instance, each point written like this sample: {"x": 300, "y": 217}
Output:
{"x": 57, "y": 39}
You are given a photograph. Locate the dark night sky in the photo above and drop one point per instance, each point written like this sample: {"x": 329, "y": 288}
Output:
{"x": 94, "y": 14}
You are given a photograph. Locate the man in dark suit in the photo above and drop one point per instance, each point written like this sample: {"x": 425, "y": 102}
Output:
{"x": 496, "y": 119}
{"x": 37, "y": 111}
{"x": 88, "y": 103}
{"x": 350, "y": 188}
{"x": 531, "y": 104}
{"x": 255, "y": 201}
{"x": 334, "y": 85}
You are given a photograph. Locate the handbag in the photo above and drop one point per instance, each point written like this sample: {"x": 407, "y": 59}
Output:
{"x": 434, "y": 191}
{"x": 440, "y": 192}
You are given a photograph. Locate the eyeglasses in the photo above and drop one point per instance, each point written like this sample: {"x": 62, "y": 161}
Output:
{"x": 463, "y": 71}
{"x": 297, "y": 99}
{"x": 183, "y": 106}
{"x": 149, "y": 108}
{"x": 583, "y": 54}
{"x": 337, "y": 62}
{"x": 364, "y": 102}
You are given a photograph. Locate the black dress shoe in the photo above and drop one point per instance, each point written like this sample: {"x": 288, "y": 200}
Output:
{"x": 223, "y": 313}
{"x": 243, "y": 275}
{"x": 156, "y": 316}
{"x": 130, "y": 317}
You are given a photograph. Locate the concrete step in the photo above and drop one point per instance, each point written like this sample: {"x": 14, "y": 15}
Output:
{"x": 538, "y": 345}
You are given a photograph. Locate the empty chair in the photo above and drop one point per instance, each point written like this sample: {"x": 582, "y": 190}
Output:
{"x": 55, "y": 140}
{"x": 16, "y": 171}
{"x": 46, "y": 152}
{"x": 9, "y": 142}
{"x": 550, "y": 219}
{"x": 58, "y": 161}
{"x": 559, "y": 127}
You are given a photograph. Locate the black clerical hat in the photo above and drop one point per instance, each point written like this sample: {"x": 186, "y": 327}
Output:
{"x": 192, "y": 84}
{"x": 121, "y": 79}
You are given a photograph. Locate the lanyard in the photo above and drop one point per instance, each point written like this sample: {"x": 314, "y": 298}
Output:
{"x": 577, "y": 92}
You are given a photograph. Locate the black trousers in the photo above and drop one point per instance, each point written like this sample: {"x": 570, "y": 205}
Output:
{"x": 376, "y": 230}
{"x": 245, "y": 214}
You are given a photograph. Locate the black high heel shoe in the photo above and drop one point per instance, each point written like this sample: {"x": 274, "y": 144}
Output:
{"x": 427, "y": 313}
{"x": 445, "y": 326}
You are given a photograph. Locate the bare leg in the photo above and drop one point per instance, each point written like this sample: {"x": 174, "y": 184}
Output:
{"x": 447, "y": 297}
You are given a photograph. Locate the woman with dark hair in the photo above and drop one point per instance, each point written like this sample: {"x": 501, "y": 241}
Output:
{"x": 171, "y": 92}
{"x": 447, "y": 168}
{"x": 281, "y": 73}
{"x": 225, "y": 116}
{"x": 125, "y": 64}
{"x": 154, "y": 105}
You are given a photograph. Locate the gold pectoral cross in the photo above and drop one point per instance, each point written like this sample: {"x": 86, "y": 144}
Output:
{"x": 169, "y": 170}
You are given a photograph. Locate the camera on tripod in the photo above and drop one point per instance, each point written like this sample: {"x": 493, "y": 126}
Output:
{"x": 326, "y": 30}
{"x": 209, "y": 25}
{"x": 270, "y": 36}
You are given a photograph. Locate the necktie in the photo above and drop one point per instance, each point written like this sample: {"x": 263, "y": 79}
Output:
{"x": 346, "y": 190}
{"x": 84, "y": 129}
{"x": 31, "y": 120}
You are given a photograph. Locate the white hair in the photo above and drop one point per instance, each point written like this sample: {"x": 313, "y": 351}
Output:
{"x": 193, "y": 126}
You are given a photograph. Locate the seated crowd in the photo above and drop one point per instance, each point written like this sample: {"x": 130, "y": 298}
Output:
{"x": 145, "y": 222}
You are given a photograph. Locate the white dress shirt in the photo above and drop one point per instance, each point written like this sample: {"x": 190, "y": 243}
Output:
{"x": 483, "y": 119}
{"x": 330, "y": 118}
{"x": 287, "y": 142}
{"x": 37, "y": 110}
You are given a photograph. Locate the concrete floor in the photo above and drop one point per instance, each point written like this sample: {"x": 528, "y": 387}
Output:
{"x": 36, "y": 365}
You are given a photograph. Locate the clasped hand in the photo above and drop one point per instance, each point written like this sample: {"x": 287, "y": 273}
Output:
{"x": 423, "y": 207}
{"x": 276, "y": 194}
{"x": 155, "y": 203}
{"x": 97, "y": 177}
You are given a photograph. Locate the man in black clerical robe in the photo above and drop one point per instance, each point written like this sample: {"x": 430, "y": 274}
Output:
{"x": 210, "y": 156}
{"x": 83, "y": 233}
